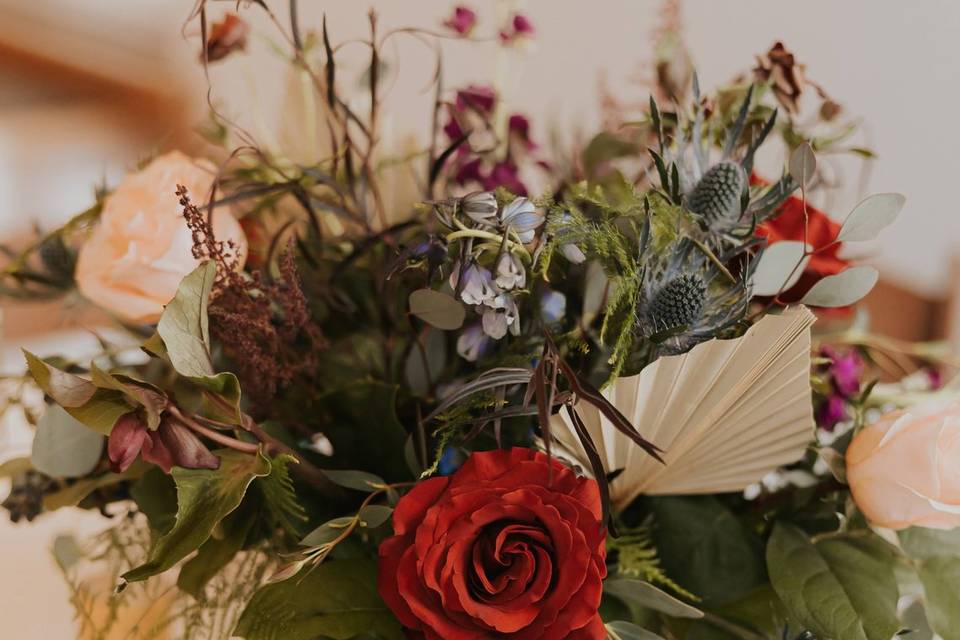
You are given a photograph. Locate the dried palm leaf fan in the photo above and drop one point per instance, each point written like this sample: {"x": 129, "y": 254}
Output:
{"x": 725, "y": 413}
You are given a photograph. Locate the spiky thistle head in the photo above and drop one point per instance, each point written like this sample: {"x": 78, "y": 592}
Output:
{"x": 677, "y": 303}
{"x": 716, "y": 196}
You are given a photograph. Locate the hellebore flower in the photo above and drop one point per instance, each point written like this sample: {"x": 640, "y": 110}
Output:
{"x": 172, "y": 444}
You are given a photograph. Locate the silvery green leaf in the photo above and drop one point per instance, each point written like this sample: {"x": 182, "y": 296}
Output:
{"x": 63, "y": 447}
{"x": 374, "y": 515}
{"x": 437, "y": 309}
{"x": 357, "y": 480}
{"x": 780, "y": 266}
{"x": 803, "y": 164}
{"x": 871, "y": 216}
{"x": 842, "y": 289}
{"x": 425, "y": 361}
{"x": 327, "y": 532}
{"x": 646, "y": 595}
{"x": 623, "y": 630}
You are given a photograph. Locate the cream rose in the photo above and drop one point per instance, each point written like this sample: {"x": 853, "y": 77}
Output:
{"x": 139, "y": 252}
{"x": 904, "y": 469}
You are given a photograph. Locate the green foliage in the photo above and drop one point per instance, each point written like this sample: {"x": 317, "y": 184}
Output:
{"x": 97, "y": 408}
{"x": 280, "y": 496}
{"x": 185, "y": 331}
{"x": 336, "y": 600}
{"x": 637, "y": 558}
{"x": 204, "y": 498}
{"x": 217, "y": 552}
{"x": 839, "y": 587}
{"x": 935, "y": 556}
{"x": 156, "y": 496}
{"x": 644, "y": 594}
{"x": 706, "y": 549}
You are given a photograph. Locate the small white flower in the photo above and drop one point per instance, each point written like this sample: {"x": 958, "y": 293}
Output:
{"x": 480, "y": 206}
{"x": 478, "y": 287}
{"x": 510, "y": 272}
{"x": 522, "y": 216}
{"x": 472, "y": 343}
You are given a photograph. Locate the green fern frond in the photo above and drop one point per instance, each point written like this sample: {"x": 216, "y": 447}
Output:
{"x": 280, "y": 495}
{"x": 637, "y": 558}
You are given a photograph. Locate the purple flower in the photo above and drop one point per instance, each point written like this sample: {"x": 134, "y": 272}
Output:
{"x": 473, "y": 343}
{"x": 478, "y": 287}
{"x": 510, "y": 272}
{"x": 846, "y": 369}
{"x": 505, "y": 174}
{"x": 519, "y": 27}
{"x": 469, "y": 171}
{"x": 519, "y": 127}
{"x": 480, "y": 206}
{"x": 832, "y": 411}
{"x": 501, "y": 316}
{"x": 477, "y": 98}
{"x": 522, "y": 216}
{"x": 462, "y": 21}
{"x": 553, "y": 306}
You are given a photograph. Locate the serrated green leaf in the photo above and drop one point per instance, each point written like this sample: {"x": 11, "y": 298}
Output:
{"x": 185, "y": 331}
{"x": 837, "y": 587}
{"x": 336, "y": 600}
{"x": 97, "y": 408}
{"x": 63, "y": 447}
{"x": 204, "y": 498}
{"x": 644, "y": 594}
{"x": 280, "y": 497}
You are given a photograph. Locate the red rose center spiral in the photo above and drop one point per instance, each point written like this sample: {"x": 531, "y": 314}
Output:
{"x": 511, "y": 560}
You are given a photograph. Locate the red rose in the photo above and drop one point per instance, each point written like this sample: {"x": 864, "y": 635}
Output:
{"x": 787, "y": 224}
{"x": 511, "y": 546}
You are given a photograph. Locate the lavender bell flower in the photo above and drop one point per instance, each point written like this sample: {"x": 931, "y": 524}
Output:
{"x": 473, "y": 343}
{"x": 502, "y": 315}
{"x": 553, "y": 307}
{"x": 510, "y": 272}
{"x": 480, "y": 206}
{"x": 522, "y": 216}
{"x": 478, "y": 287}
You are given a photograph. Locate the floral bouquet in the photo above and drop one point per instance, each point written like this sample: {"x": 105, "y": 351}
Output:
{"x": 326, "y": 410}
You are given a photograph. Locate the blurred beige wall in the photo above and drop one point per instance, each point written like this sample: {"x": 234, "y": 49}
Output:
{"x": 896, "y": 63}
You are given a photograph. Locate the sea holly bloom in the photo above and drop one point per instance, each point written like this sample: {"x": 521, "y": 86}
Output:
{"x": 522, "y": 216}
{"x": 462, "y": 21}
{"x": 511, "y": 545}
{"x": 172, "y": 444}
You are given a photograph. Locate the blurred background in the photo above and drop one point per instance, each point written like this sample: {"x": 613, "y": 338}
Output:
{"x": 89, "y": 88}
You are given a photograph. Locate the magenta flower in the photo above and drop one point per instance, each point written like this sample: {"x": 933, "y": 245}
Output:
{"x": 172, "y": 444}
{"x": 477, "y": 98}
{"x": 462, "y": 21}
{"x": 846, "y": 369}
{"x": 519, "y": 129}
{"x": 505, "y": 174}
{"x": 832, "y": 411}
{"x": 519, "y": 27}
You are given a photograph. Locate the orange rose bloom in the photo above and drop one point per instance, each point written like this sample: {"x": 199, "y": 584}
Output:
{"x": 139, "y": 252}
{"x": 904, "y": 469}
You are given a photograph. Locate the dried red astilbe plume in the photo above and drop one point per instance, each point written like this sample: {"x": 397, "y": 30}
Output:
{"x": 263, "y": 324}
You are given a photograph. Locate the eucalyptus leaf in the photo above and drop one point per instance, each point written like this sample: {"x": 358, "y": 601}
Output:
{"x": 327, "y": 532}
{"x": 644, "y": 594}
{"x": 425, "y": 361}
{"x": 63, "y": 447}
{"x": 374, "y": 515}
{"x": 871, "y": 216}
{"x": 842, "y": 289}
{"x": 623, "y": 630}
{"x": 780, "y": 266}
{"x": 357, "y": 480}
{"x": 803, "y": 164}
{"x": 838, "y": 588}
{"x": 204, "y": 498}
{"x": 337, "y": 599}
{"x": 437, "y": 309}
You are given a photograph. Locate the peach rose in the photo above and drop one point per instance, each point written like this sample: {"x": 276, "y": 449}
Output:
{"x": 904, "y": 469}
{"x": 139, "y": 252}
